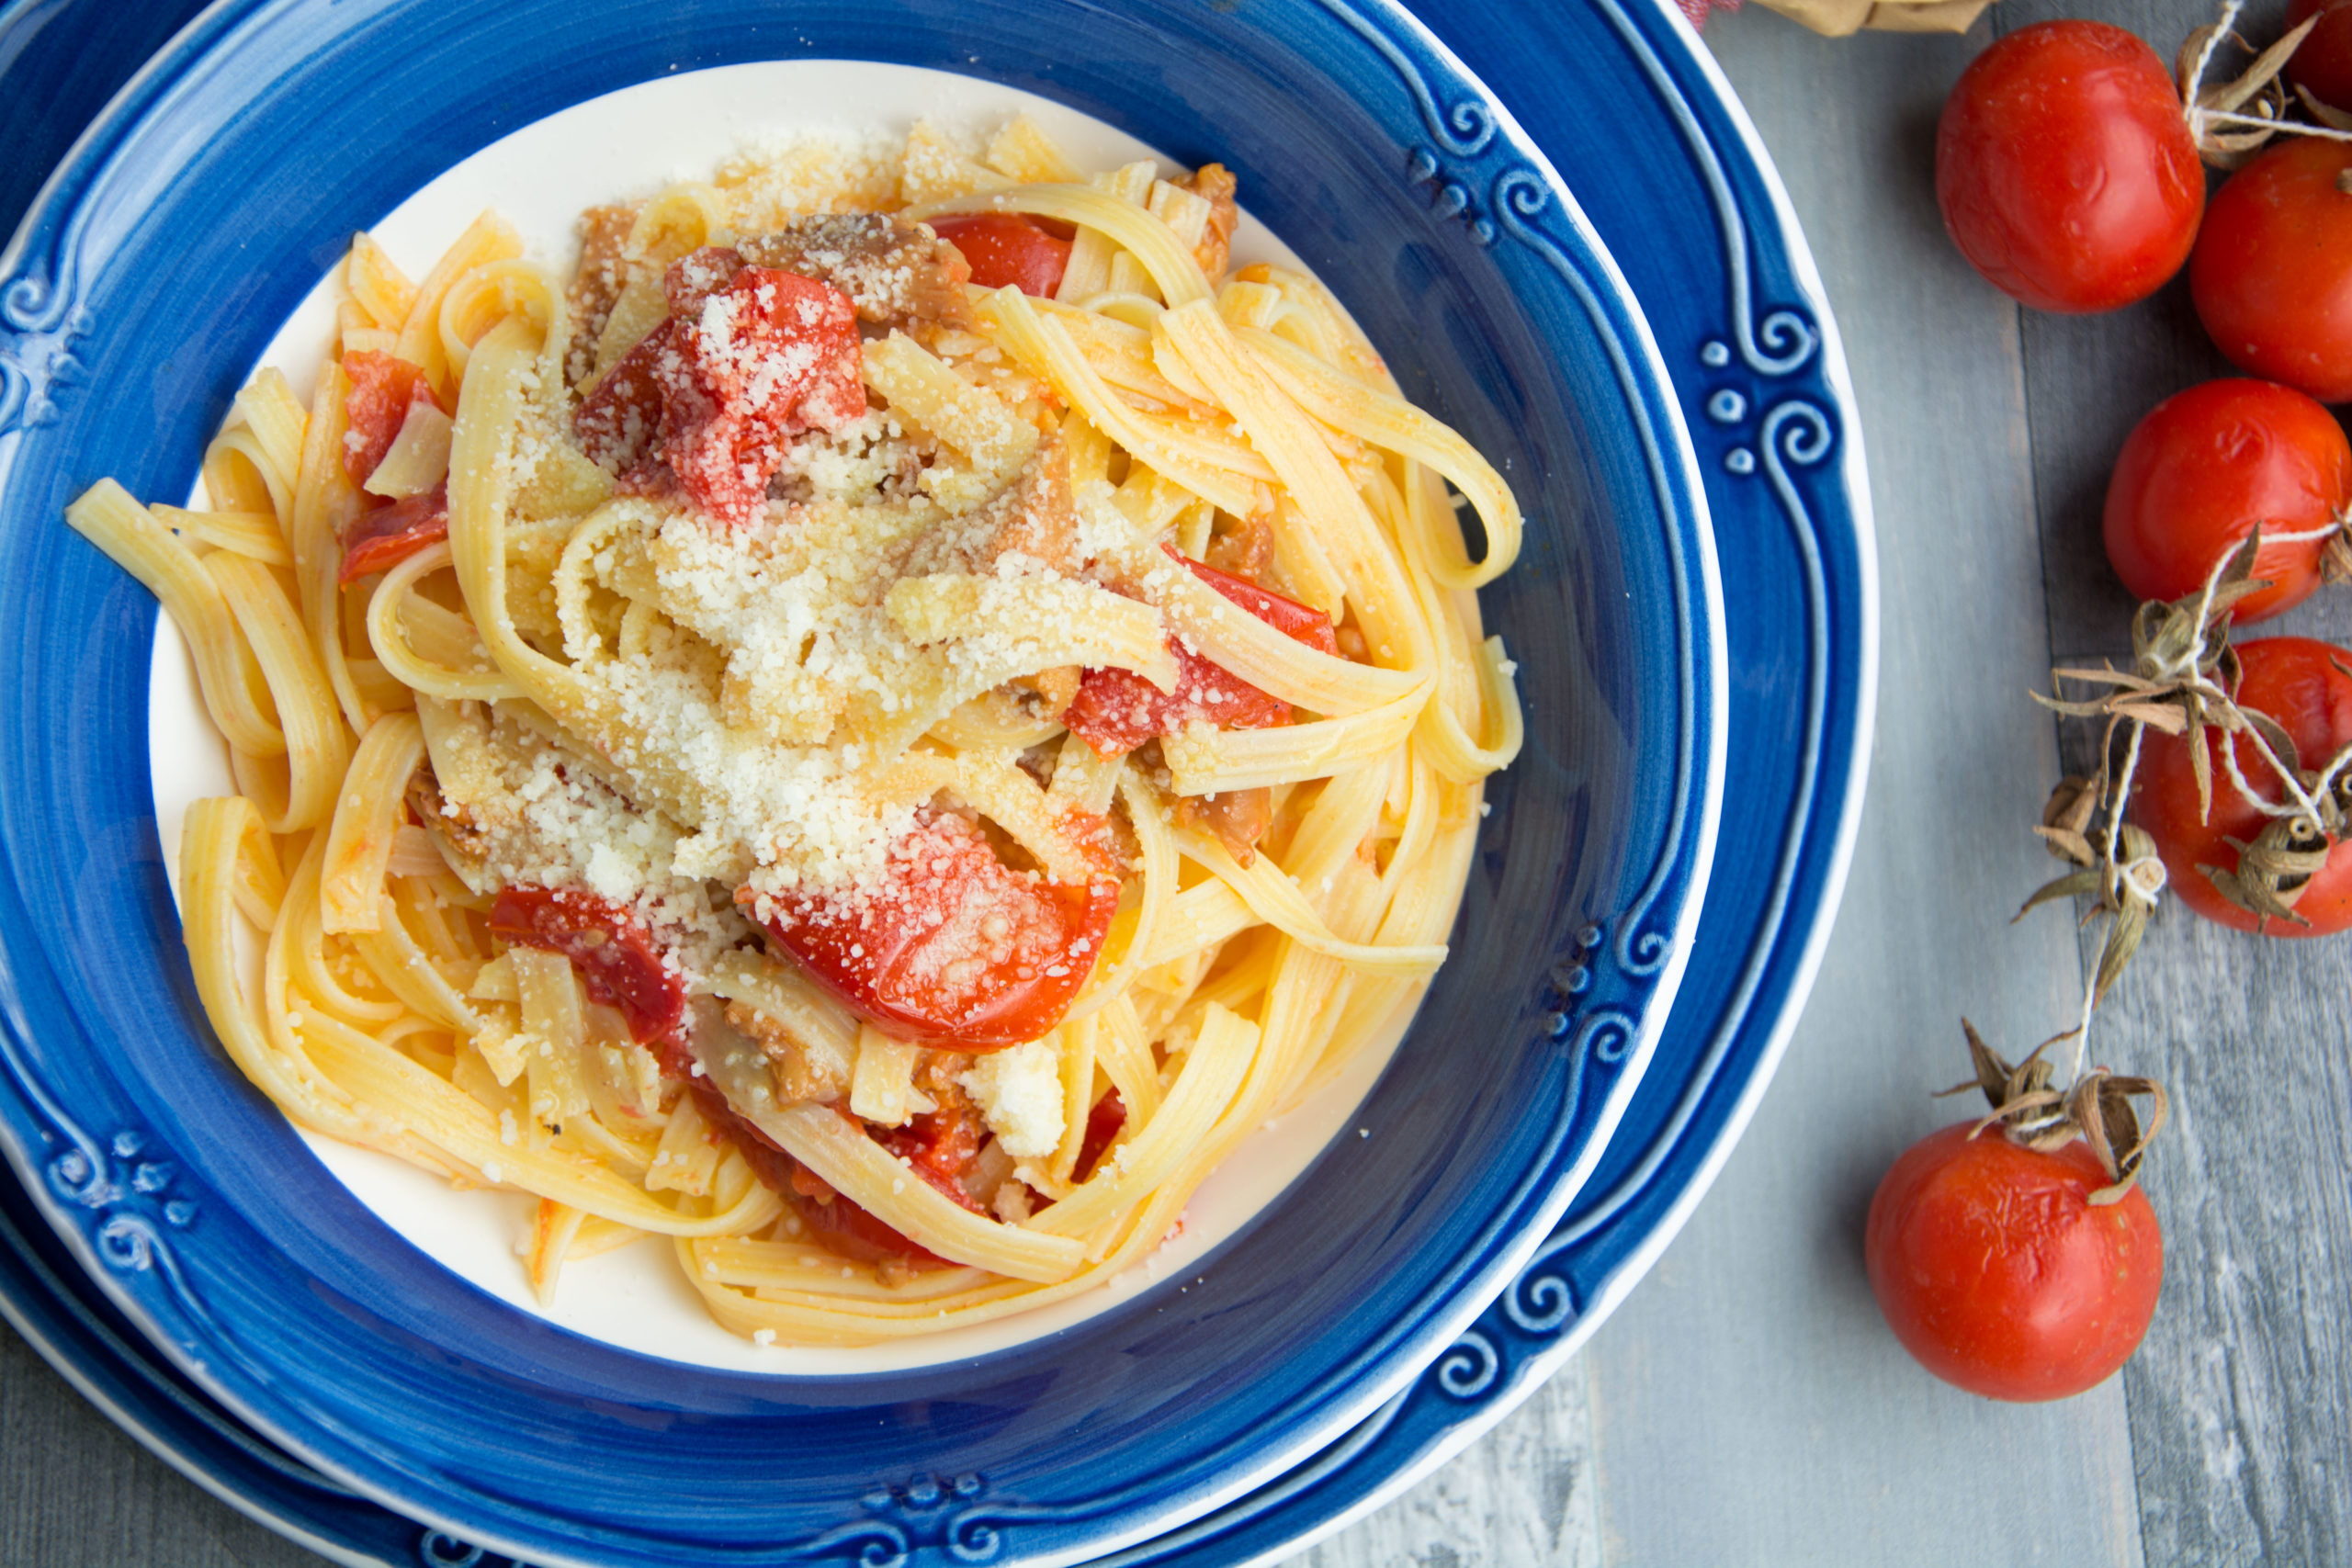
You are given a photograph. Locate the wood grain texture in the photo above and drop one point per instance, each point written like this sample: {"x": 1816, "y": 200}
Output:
{"x": 2241, "y": 1400}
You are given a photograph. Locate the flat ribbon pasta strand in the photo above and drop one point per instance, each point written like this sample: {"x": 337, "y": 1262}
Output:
{"x": 1395, "y": 426}
{"x": 1169, "y": 261}
{"x": 229, "y": 676}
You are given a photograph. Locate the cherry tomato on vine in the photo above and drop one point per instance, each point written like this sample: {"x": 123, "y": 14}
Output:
{"x": 2301, "y": 683}
{"x": 2066, "y": 170}
{"x": 2272, "y": 273}
{"x": 2000, "y": 1276}
{"x": 2323, "y": 61}
{"x": 2204, "y": 468}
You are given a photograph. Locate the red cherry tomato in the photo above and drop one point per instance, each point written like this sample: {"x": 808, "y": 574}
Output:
{"x": 2272, "y": 273}
{"x": 1008, "y": 248}
{"x": 2203, "y": 469}
{"x": 616, "y": 957}
{"x": 2066, "y": 170}
{"x": 2295, "y": 680}
{"x": 715, "y": 393}
{"x": 957, "y": 949}
{"x": 1117, "y": 710}
{"x": 2323, "y": 61}
{"x": 376, "y": 406}
{"x": 2000, "y": 1276}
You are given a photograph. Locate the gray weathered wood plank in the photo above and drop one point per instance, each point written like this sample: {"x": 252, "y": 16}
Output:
{"x": 1524, "y": 1493}
{"x": 2239, "y": 1407}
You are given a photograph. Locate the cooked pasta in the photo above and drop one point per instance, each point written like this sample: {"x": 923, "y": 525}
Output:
{"x": 876, "y": 731}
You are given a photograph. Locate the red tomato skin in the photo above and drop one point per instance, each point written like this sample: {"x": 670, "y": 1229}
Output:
{"x": 712, "y": 413}
{"x": 376, "y": 405}
{"x": 1007, "y": 249}
{"x": 2293, "y": 681}
{"x": 1998, "y": 1273}
{"x": 2272, "y": 276}
{"x": 2203, "y": 469}
{"x": 2323, "y": 61}
{"x": 616, "y": 957}
{"x": 2064, "y": 168}
{"x": 1118, "y": 710}
{"x": 895, "y": 960}
{"x": 381, "y": 537}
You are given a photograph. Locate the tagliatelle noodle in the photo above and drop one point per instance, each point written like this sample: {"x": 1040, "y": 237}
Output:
{"x": 591, "y": 690}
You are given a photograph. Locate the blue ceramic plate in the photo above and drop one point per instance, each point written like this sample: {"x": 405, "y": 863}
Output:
{"x": 1801, "y": 646}
{"x": 184, "y": 226}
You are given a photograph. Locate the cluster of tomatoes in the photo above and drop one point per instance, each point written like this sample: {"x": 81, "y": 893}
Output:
{"x": 2068, "y": 169}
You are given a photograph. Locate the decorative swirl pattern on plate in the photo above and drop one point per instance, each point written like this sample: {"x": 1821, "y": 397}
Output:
{"x": 39, "y": 323}
{"x": 1794, "y": 432}
{"x": 1785, "y": 339}
{"x": 1469, "y": 1366}
{"x": 1463, "y": 129}
{"x": 929, "y": 1518}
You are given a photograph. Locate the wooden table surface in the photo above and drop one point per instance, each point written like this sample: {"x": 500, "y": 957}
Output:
{"x": 1746, "y": 1406}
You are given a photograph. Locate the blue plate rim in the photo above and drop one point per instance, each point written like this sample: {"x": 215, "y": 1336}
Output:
{"x": 1640, "y": 1040}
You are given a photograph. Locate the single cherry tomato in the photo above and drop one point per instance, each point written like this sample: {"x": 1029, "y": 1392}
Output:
{"x": 1008, "y": 249}
{"x": 616, "y": 957}
{"x": 2272, "y": 273}
{"x": 2203, "y": 469}
{"x": 955, "y": 948}
{"x": 1998, "y": 1273}
{"x": 382, "y": 537}
{"x": 2301, "y": 683}
{"x": 1118, "y": 710}
{"x": 2322, "y": 65}
{"x": 2066, "y": 170}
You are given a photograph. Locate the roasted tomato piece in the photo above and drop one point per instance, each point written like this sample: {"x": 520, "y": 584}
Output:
{"x": 751, "y": 356}
{"x": 616, "y": 957}
{"x": 957, "y": 948}
{"x": 381, "y": 537}
{"x": 619, "y": 422}
{"x": 1008, "y": 248}
{"x": 938, "y": 1147}
{"x": 1117, "y": 710}
{"x": 382, "y": 387}
{"x": 940, "y": 1143}
{"x": 767, "y": 356}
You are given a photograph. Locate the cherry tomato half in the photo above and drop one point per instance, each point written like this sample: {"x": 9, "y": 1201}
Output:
{"x": 957, "y": 948}
{"x": 1008, "y": 248}
{"x": 618, "y": 960}
{"x": 2272, "y": 272}
{"x": 2066, "y": 170}
{"x": 2295, "y": 680}
{"x": 2323, "y": 61}
{"x": 2000, "y": 1276}
{"x": 2203, "y": 469}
